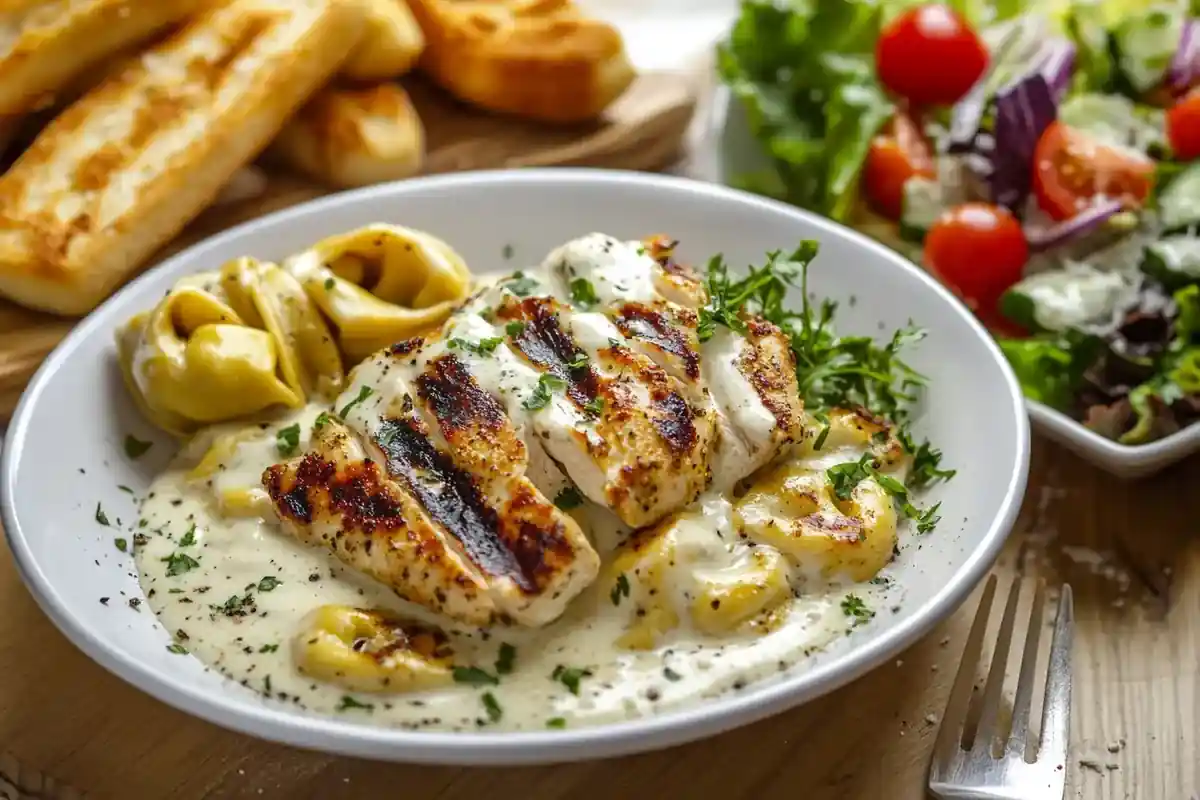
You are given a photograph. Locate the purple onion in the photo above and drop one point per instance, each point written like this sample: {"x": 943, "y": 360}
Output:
{"x": 1184, "y": 71}
{"x": 1078, "y": 226}
{"x": 1024, "y": 110}
{"x": 1056, "y": 63}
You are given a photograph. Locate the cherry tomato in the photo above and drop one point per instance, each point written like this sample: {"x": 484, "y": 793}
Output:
{"x": 930, "y": 55}
{"x": 1070, "y": 168}
{"x": 978, "y": 250}
{"x": 896, "y": 155}
{"x": 1183, "y": 127}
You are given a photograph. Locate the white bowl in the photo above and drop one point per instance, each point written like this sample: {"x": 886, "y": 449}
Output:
{"x": 64, "y": 447}
{"x": 738, "y": 153}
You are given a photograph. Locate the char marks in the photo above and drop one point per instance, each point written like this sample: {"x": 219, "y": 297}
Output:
{"x": 651, "y": 325}
{"x": 545, "y": 344}
{"x": 456, "y": 399}
{"x": 449, "y": 495}
{"x": 356, "y": 492}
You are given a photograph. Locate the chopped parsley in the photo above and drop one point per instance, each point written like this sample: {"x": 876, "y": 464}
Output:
{"x": 595, "y": 406}
{"x": 521, "y": 284}
{"x": 349, "y": 702}
{"x": 846, "y": 476}
{"x": 507, "y": 252}
{"x": 179, "y": 563}
{"x": 568, "y": 498}
{"x": 515, "y": 328}
{"x": 546, "y": 386}
{"x": 363, "y": 394}
{"x": 268, "y": 648}
{"x": 492, "y": 706}
{"x": 579, "y": 361}
{"x": 505, "y": 659}
{"x": 620, "y": 589}
{"x": 583, "y": 294}
{"x": 237, "y": 606}
{"x": 189, "y": 538}
{"x": 474, "y": 676}
{"x": 121, "y": 544}
{"x": 570, "y": 677}
{"x": 484, "y": 347}
{"x": 287, "y": 440}
{"x": 125, "y": 489}
{"x": 101, "y": 517}
{"x": 615, "y": 343}
{"x": 556, "y": 722}
{"x": 329, "y": 284}
{"x": 177, "y": 649}
{"x": 321, "y": 421}
{"x": 671, "y": 674}
{"x": 269, "y": 583}
{"x": 135, "y": 448}
{"x": 853, "y": 606}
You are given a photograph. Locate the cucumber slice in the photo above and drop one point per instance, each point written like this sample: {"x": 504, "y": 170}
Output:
{"x": 1146, "y": 41}
{"x": 1114, "y": 120}
{"x": 922, "y": 205}
{"x": 1077, "y": 297}
{"x": 1173, "y": 261}
{"x": 1179, "y": 203}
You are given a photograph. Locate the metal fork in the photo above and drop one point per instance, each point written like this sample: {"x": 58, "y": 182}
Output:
{"x": 995, "y": 768}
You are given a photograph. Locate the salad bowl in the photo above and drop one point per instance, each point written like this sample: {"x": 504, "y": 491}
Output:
{"x": 67, "y": 475}
{"x": 1062, "y": 312}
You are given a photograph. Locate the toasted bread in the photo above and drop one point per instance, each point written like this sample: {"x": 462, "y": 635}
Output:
{"x": 391, "y": 45}
{"x": 46, "y": 45}
{"x": 124, "y": 169}
{"x": 354, "y": 137}
{"x": 541, "y": 59}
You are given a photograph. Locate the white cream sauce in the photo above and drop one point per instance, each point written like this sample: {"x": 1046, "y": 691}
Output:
{"x": 235, "y": 589}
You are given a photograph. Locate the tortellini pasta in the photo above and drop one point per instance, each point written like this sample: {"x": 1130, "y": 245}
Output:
{"x": 380, "y": 284}
{"x": 255, "y": 336}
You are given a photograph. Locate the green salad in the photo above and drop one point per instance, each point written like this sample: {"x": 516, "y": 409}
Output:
{"x": 1041, "y": 159}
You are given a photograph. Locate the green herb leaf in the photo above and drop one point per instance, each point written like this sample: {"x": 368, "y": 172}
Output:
{"x": 121, "y": 544}
{"x": 579, "y": 361}
{"x": 347, "y": 703}
{"x": 474, "y": 676}
{"x": 568, "y": 498}
{"x": 507, "y": 252}
{"x": 620, "y": 589}
{"x": 853, "y": 606}
{"x": 570, "y": 677}
{"x": 556, "y": 722}
{"x": 515, "y": 328}
{"x": 329, "y": 284}
{"x": 583, "y": 294}
{"x": 546, "y": 386}
{"x": 595, "y": 406}
{"x": 269, "y": 583}
{"x": 671, "y": 674}
{"x": 177, "y": 649}
{"x": 101, "y": 517}
{"x": 179, "y": 563}
{"x": 506, "y": 659}
{"x": 189, "y": 538}
{"x": 321, "y": 421}
{"x": 287, "y": 440}
{"x": 492, "y": 706}
{"x": 363, "y": 393}
{"x": 268, "y": 648}
{"x": 135, "y": 448}
{"x": 521, "y": 284}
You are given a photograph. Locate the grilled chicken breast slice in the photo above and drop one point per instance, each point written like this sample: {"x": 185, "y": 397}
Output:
{"x": 338, "y": 497}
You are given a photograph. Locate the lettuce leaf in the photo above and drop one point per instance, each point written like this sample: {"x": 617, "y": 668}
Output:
{"x": 1050, "y": 368}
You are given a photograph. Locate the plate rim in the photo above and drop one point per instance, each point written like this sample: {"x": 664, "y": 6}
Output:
{"x": 671, "y": 727}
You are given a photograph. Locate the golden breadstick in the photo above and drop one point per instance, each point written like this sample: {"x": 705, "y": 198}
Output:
{"x": 354, "y": 137}
{"x": 391, "y": 45}
{"x": 124, "y": 169}
{"x": 46, "y": 45}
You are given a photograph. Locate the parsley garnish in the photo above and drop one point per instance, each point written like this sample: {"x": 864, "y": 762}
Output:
{"x": 121, "y": 544}
{"x": 583, "y": 294}
{"x": 568, "y": 498}
{"x": 671, "y": 674}
{"x": 321, "y": 421}
{"x": 287, "y": 440}
{"x": 329, "y": 283}
{"x": 237, "y": 606}
{"x": 595, "y": 406}
{"x": 179, "y": 563}
{"x": 853, "y": 606}
{"x": 177, "y": 649}
{"x": 520, "y": 284}
{"x": 363, "y": 394}
{"x": 570, "y": 677}
{"x": 349, "y": 702}
{"x": 506, "y": 658}
{"x": 269, "y": 583}
{"x": 540, "y": 398}
{"x": 125, "y": 489}
{"x": 101, "y": 517}
{"x": 556, "y": 722}
{"x": 474, "y": 676}
{"x": 848, "y": 475}
{"x": 189, "y": 538}
{"x": 484, "y": 347}
{"x": 494, "y": 711}
{"x": 514, "y": 328}
{"x": 268, "y": 648}
{"x": 579, "y": 361}
{"x": 135, "y": 448}
{"x": 620, "y": 589}
{"x": 507, "y": 252}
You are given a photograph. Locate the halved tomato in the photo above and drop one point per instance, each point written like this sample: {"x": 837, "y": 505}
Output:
{"x": 899, "y": 153}
{"x": 1183, "y": 127}
{"x": 1071, "y": 169}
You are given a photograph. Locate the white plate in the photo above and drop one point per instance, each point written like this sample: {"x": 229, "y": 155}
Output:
{"x": 64, "y": 448}
{"x": 737, "y": 153}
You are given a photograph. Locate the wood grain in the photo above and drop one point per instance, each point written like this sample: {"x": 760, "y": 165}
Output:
{"x": 643, "y": 130}
{"x": 1136, "y": 679}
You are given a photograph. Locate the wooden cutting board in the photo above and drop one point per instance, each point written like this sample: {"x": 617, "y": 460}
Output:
{"x": 643, "y": 130}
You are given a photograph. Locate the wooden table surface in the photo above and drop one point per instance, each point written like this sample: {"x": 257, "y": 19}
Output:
{"x": 1130, "y": 550}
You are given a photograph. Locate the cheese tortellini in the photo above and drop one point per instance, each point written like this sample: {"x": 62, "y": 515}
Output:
{"x": 372, "y": 651}
{"x": 255, "y": 336}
